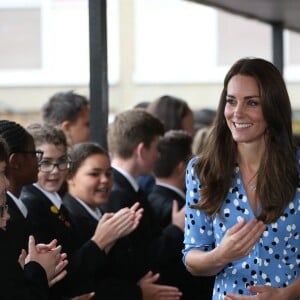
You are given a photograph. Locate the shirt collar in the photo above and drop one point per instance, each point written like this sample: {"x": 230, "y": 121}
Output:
{"x": 173, "y": 188}
{"x": 19, "y": 203}
{"x": 131, "y": 180}
{"x": 96, "y": 214}
{"x": 52, "y": 196}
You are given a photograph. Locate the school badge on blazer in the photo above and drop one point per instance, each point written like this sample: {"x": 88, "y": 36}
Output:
{"x": 60, "y": 215}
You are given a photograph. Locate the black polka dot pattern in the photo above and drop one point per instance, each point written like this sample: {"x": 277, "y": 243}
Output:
{"x": 274, "y": 260}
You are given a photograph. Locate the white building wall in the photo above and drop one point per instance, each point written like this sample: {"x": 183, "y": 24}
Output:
{"x": 154, "y": 47}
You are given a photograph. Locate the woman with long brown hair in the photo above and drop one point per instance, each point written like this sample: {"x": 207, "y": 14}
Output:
{"x": 242, "y": 205}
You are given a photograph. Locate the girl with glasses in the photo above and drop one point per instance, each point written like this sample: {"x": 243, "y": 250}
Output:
{"x": 41, "y": 198}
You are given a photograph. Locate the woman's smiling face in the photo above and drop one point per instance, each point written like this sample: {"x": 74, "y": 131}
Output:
{"x": 243, "y": 110}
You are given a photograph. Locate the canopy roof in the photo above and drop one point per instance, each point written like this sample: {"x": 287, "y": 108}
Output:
{"x": 284, "y": 12}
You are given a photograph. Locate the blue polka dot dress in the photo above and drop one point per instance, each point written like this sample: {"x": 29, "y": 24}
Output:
{"x": 274, "y": 260}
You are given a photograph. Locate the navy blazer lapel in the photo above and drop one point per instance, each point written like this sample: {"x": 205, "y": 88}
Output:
{"x": 52, "y": 211}
{"x": 74, "y": 207}
{"x": 84, "y": 225}
{"x": 42, "y": 198}
{"x": 165, "y": 191}
{"x": 121, "y": 182}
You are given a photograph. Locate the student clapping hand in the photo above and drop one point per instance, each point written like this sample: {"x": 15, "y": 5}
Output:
{"x": 49, "y": 256}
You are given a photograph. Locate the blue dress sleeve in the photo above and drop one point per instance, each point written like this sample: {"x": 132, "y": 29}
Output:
{"x": 198, "y": 233}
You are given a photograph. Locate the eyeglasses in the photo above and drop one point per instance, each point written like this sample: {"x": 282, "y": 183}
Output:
{"x": 48, "y": 166}
{"x": 3, "y": 210}
{"x": 38, "y": 153}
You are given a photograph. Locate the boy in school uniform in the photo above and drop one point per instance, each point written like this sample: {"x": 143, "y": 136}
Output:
{"x": 175, "y": 149}
{"x": 133, "y": 140}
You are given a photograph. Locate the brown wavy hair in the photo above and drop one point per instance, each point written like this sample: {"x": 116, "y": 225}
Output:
{"x": 277, "y": 178}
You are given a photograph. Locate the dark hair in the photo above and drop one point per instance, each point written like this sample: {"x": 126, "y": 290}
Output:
{"x": 80, "y": 152}
{"x": 277, "y": 177}
{"x": 174, "y": 147}
{"x": 142, "y": 104}
{"x": 170, "y": 111}
{"x": 43, "y": 133}
{"x": 16, "y": 136}
{"x": 3, "y": 150}
{"x": 63, "y": 106}
{"x": 131, "y": 128}
{"x": 204, "y": 118}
